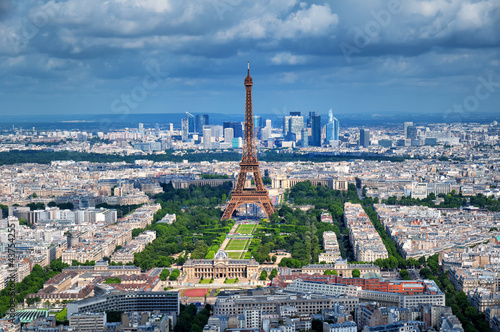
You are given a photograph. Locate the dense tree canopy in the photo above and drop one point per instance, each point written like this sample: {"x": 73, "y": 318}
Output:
{"x": 29, "y": 285}
{"x": 46, "y": 157}
{"x": 300, "y": 232}
{"x": 451, "y": 200}
{"x": 197, "y": 229}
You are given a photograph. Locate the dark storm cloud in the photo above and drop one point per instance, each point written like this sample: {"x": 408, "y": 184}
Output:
{"x": 5, "y": 6}
{"x": 89, "y": 43}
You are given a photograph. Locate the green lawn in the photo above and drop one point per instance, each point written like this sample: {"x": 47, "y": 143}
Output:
{"x": 206, "y": 281}
{"x": 246, "y": 228}
{"x": 61, "y": 316}
{"x": 237, "y": 244}
{"x": 236, "y": 255}
{"x": 230, "y": 281}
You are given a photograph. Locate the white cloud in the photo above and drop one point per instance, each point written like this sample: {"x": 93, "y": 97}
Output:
{"x": 285, "y": 58}
{"x": 317, "y": 20}
{"x": 474, "y": 15}
{"x": 110, "y": 39}
{"x": 313, "y": 21}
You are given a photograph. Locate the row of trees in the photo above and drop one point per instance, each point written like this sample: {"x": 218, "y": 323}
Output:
{"x": 303, "y": 242}
{"x": 189, "y": 321}
{"x": 174, "y": 274}
{"x": 451, "y": 200}
{"x": 164, "y": 274}
{"x": 41, "y": 206}
{"x": 198, "y": 228}
{"x": 214, "y": 176}
{"x": 304, "y": 193}
{"x": 45, "y": 157}
{"x": 264, "y": 275}
{"x": 297, "y": 224}
{"x": 299, "y": 232}
{"x": 395, "y": 259}
{"x": 29, "y": 285}
{"x": 471, "y": 319}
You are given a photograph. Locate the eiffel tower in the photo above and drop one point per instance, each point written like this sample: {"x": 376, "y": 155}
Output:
{"x": 249, "y": 164}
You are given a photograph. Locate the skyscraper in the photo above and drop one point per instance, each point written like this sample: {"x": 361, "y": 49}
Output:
{"x": 309, "y": 119}
{"x": 405, "y": 130}
{"x": 412, "y": 132}
{"x": 364, "y": 137}
{"x": 286, "y": 124}
{"x": 266, "y": 131}
{"x": 200, "y": 121}
{"x": 237, "y": 127}
{"x": 257, "y": 125}
{"x": 207, "y": 137}
{"x": 190, "y": 122}
{"x": 304, "y": 139}
{"x": 315, "y": 122}
{"x": 184, "y": 129}
{"x": 296, "y": 124}
{"x": 157, "y": 129}
{"x": 217, "y": 132}
{"x": 292, "y": 124}
{"x": 228, "y": 135}
{"x": 332, "y": 128}
{"x": 257, "y": 121}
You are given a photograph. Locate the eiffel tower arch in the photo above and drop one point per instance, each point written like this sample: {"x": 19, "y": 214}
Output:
{"x": 249, "y": 164}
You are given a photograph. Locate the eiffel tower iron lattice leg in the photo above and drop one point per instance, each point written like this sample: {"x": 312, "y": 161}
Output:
{"x": 249, "y": 164}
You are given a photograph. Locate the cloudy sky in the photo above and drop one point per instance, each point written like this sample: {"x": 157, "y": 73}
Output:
{"x": 160, "y": 56}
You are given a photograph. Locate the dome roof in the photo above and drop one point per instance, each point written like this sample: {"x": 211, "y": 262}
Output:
{"x": 221, "y": 254}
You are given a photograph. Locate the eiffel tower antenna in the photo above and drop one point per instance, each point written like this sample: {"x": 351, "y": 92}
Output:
{"x": 249, "y": 164}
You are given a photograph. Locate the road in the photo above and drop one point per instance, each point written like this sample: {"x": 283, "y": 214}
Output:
{"x": 414, "y": 274}
{"x": 360, "y": 193}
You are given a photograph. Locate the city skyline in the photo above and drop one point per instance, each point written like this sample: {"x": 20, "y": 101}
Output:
{"x": 147, "y": 184}
{"x": 384, "y": 57}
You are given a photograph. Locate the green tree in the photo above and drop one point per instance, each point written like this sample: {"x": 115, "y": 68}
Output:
{"x": 404, "y": 274}
{"x": 200, "y": 250}
{"x": 57, "y": 265}
{"x": 273, "y": 274}
{"x": 393, "y": 262}
{"x": 164, "y": 274}
{"x": 356, "y": 273}
{"x": 174, "y": 274}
